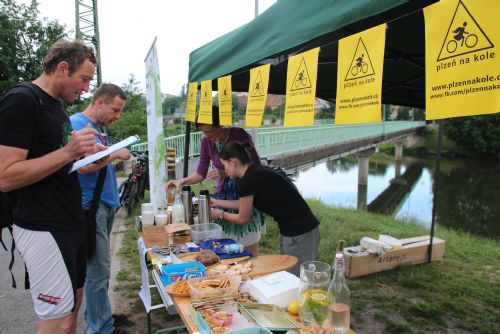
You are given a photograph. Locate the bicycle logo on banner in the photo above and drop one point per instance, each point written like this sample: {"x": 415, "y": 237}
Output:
{"x": 464, "y": 35}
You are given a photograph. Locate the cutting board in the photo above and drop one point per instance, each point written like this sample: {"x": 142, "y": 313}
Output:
{"x": 268, "y": 264}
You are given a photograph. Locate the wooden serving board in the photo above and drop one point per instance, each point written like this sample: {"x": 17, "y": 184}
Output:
{"x": 268, "y": 264}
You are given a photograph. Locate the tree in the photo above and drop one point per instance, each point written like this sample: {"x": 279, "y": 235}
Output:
{"x": 133, "y": 119}
{"x": 24, "y": 40}
{"x": 170, "y": 104}
{"x": 478, "y": 135}
{"x": 327, "y": 111}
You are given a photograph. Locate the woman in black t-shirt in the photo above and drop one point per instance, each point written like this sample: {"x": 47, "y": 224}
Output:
{"x": 274, "y": 194}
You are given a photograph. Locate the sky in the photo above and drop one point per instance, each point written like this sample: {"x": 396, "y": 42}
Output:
{"x": 127, "y": 28}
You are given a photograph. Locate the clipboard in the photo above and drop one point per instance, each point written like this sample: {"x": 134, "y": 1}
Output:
{"x": 101, "y": 154}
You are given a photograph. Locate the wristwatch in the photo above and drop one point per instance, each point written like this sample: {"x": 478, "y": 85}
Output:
{"x": 221, "y": 215}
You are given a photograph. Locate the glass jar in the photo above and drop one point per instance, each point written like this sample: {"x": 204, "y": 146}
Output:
{"x": 171, "y": 196}
{"x": 313, "y": 291}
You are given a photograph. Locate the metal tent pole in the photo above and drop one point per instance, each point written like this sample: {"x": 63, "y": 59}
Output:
{"x": 435, "y": 190}
{"x": 187, "y": 140}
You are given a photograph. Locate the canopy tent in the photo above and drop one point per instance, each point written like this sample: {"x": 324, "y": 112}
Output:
{"x": 293, "y": 26}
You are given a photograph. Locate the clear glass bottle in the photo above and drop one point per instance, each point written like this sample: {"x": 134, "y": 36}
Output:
{"x": 339, "y": 296}
{"x": 178, "y": 210}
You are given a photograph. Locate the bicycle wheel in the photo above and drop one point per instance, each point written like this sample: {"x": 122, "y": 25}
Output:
{"x": 364, "y": 68}
{"x": 142, "y": 188}
{"x": 471, "y": 41}
{"x": 132, "y": 198}
{"x": 451, "y": 46}
{"x": 122, "y": 191}
{"x": 354, "y": 71}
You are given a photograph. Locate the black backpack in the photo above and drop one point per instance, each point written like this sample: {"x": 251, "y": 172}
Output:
{"x": 8, "y": 200}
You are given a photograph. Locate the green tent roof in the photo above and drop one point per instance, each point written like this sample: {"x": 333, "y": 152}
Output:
{"x": 292, "y": 26}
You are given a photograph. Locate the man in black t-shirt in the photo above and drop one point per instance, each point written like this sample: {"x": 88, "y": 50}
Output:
{"x": 37, "y": 148}
{"x": 274, "y": 194}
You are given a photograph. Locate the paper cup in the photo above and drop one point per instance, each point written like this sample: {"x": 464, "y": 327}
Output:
{"x": 161, "y": 219}
{"x": 148, "y": 218}
{"x": 146, "y": 207}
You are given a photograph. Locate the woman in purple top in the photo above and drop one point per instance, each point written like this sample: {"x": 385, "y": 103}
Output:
{"x": 215, "y": 137}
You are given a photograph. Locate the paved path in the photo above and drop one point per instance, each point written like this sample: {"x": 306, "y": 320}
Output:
{"x": 16, "y": 307}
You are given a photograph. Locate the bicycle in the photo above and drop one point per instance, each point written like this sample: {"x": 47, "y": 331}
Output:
{"x": 132, "y": 190}
{"x": 356, "y": 68}
{"x": 302, "y": 80}
{"x": 470, "y": 41}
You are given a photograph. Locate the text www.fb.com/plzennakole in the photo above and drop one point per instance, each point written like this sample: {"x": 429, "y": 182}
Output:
{"x": 465, "y": 87}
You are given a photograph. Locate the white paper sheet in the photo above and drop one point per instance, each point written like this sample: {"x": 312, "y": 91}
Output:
{"x": 99, "y": 155}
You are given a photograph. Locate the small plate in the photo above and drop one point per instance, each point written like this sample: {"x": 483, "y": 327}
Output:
{"x": 169, "y": 289}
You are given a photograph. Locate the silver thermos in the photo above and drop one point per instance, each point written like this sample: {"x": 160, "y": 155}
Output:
{"x": 187, "y": 201}
{"x": 204, "y": 207}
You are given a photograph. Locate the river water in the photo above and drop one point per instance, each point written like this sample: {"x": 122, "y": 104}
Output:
{"x": 468, "y": 195}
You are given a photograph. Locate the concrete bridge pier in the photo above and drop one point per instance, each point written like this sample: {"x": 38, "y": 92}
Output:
{"x": 398, "y": 153}
{"x": 397, "y": 170}
{"x": 363, "y": 164}
{"x": 362, "y": 196}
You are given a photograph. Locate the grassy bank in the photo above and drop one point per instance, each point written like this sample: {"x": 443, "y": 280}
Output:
{"x": 458, "y": 295}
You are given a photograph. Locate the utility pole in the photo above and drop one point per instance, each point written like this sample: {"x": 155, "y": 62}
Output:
{"x": 87, "y": 29}
{"x": 255, "y": 132}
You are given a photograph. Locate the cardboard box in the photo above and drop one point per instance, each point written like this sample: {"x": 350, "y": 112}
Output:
{"x": 413, "y": 251}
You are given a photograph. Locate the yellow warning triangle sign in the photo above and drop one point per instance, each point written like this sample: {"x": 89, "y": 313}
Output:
{"x": 302, "y": 79}
{"x": 361, "y": 64}
{"x": 257, "y": 87}
{"x": 464, "y": 35}
{"x": 226, "y": 92}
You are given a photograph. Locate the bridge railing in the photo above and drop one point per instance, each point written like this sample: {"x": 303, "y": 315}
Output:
{"x": 280, "y": 140}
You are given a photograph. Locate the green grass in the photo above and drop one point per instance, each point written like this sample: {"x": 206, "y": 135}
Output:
{"x": 461, "y": 293}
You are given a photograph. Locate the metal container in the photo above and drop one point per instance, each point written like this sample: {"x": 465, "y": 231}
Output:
{"x": 187, "y": 201}
{"x": 204, "y": 207}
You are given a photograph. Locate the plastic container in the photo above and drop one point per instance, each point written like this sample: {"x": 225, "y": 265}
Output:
{"x": 242, "y": 322}
{"x": 204, "y": 232}
{"x": 391, "y": 241}
{"x": 174, "y": 272}
{"x": 278, "y": 288}
{"x": 198, "y": 292}
{"x": 374, "y": 246}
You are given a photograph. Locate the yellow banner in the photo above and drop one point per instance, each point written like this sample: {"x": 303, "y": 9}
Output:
{"x": 257, "y": 95}
{"x": 359, "y": 77}
{"x": 462, "y": 68}
{"x": 205, "y": 114}
{"x": 191, "y": 102}
{"x": 225, "y": 100}
{"x": 301, "y": 88}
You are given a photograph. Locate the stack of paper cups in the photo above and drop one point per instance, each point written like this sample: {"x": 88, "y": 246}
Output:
{"x": 147, "y": 214}
{"x": 148, "y": 218}
{"x": 146, "y": 207}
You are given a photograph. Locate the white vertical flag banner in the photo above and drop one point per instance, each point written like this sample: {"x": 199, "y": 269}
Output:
{"x": 156, "y": 139}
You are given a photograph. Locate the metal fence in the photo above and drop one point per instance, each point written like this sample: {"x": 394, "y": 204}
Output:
{"x": 279, "y": 140}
